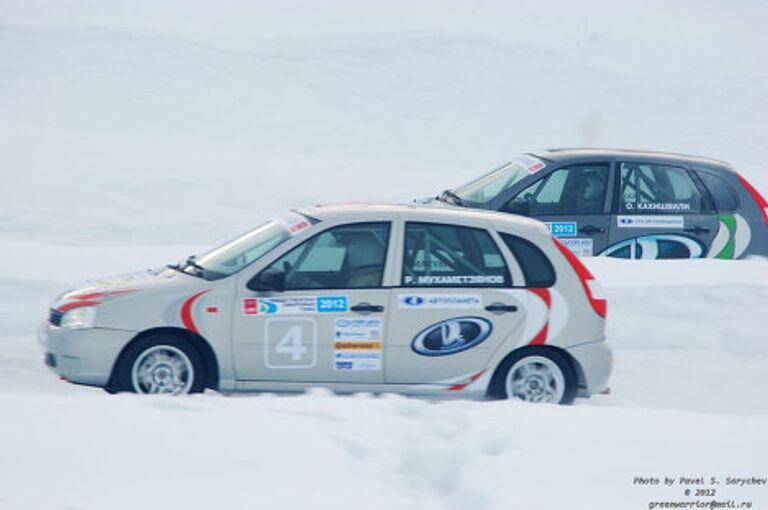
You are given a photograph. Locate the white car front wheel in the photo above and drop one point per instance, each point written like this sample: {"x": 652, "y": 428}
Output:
{"x": 162, "y": 369}
{"x": 160, "y": 365}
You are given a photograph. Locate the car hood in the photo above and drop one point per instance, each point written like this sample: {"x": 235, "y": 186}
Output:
{"x": 104, "y": 290}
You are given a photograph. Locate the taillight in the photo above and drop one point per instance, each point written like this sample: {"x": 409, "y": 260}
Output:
{"x": 591, "y": 286}
{"x": 757, "y": 197}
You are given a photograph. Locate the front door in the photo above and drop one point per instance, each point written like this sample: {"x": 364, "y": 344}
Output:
{"x": 574, "y": 203}
{"x": 661, "y": 214}
{"x": 327, "y": 324}
{"x": 452, "y": 311}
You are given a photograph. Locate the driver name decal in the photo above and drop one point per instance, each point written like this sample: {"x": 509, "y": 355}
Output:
{"x": 454, "y": 280}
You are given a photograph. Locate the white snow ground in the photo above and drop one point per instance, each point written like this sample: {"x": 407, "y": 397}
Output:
{"x": 135, "y": 133}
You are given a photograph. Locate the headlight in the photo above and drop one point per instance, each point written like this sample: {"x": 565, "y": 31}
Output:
{"x": 81, "y": 317}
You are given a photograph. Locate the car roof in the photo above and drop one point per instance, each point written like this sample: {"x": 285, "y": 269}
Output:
{"x": 418, "y": 211}
{"x": 582, "y": 154}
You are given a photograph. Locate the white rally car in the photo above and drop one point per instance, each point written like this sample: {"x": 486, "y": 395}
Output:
{"x": 379, "y": 298}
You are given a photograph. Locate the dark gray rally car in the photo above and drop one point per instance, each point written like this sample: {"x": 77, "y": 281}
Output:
{"x": 628, "y": 204}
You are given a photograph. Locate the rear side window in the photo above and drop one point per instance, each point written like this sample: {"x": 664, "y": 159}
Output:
{"x": 536, "y": 267}
{"x": 438, "y": 255}
{"x": 657, "y": 189}
{"x": 722, "y": 193}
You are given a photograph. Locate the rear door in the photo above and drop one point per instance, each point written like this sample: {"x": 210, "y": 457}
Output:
{"x": 452, "y": 309}
{"x": 574, "y": 203}
{"x": 661, "y": 214}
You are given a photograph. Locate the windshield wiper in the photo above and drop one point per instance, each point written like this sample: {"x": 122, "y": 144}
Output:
{"x": 447, "y": 195}
{"x": 189, "y": 263}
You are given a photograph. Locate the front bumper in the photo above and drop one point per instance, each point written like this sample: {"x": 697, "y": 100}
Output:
{"x": 596, "y": 362}
{"x": 83, "y": 356}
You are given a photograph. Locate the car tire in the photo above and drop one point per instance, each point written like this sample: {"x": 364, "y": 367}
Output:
{"x": 159, "y": 364}
{"x": 535, "y": 375}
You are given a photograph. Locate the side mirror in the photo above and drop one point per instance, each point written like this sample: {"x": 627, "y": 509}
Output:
{"x": 519, "y": 206}
{"x": 269, "y": 279}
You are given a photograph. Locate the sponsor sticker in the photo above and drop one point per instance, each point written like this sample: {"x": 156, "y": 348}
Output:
{"x": 580, "y": 246}
{"x": 454, "y": 280}
{"x": 418, "y": 301}
{"x": 250, "y": 306}
{"x": 295, "y": 305}
{"x": 531, "y": 163}
{"x": 649, "y": 221}
{"x": 563, "y": 228}
{"x": 357, "y": 343}
{"x": 295, "y": 223}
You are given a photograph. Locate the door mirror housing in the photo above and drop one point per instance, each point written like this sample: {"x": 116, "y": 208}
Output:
{"x": 271, "y": 279}
{"x": 519, "y": 206}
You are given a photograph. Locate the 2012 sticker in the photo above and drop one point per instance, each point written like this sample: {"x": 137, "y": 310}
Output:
{"x": 563, "y": 228}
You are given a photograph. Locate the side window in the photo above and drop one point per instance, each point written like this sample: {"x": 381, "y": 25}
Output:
{"x": 722, "y": 193}
{"x": 536, "y": 267}
{"x": 657, "y": 189}
{"x": 438, "y": 255}
{"x": 573, "y": 190}
{"x": 345, "y": 257}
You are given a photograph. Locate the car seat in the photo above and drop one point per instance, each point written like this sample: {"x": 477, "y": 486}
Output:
{"x": 365, "y": 261}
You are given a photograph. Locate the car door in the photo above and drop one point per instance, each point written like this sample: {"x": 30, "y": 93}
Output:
{"x": 574, "y": 203}
{"x": 661, "y": 214}
{"x": 453, "y": 308}
{"x": 324, "y": 318}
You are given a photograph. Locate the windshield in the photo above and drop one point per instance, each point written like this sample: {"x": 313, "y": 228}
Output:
{"x": 233, "y": 256}
{"x": 490, "y": 185}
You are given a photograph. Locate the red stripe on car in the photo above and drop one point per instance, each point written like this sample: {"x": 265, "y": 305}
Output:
{"x": 546, "y": 296}
{"x": 599, "y": 303}
{"x": 459, "y": 387}
{"x": 92, "y": 295}
{"x": 757, "y": 197}
{"x": 186, "y": 312}
{"x": 77, "y": 304}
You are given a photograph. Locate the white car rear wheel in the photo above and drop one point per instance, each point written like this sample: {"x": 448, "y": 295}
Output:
{"x": 536, "y": 379}
{"x": 536, "y": 375}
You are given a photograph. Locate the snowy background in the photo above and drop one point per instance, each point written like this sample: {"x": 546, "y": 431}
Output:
{"x": 135, "y": 133}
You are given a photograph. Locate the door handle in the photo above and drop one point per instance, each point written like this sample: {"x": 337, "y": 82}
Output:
{"x": 501, "y": 308}
{"x": 591, "y": 229}
{"x": 698, "y": 229}
{"x": 367, "y": 308}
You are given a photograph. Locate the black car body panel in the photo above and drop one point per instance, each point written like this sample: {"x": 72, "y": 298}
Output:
{"x": 629, "y": 203}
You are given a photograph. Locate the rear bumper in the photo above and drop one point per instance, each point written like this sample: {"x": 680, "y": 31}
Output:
{"x": 82, "y": 356}
{"x": 596, "y": 362}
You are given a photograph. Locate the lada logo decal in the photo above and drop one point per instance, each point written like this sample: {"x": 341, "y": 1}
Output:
{"x": 451, "y": 336}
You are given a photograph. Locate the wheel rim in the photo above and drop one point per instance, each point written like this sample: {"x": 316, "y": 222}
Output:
{"x": 162, "y": 369}
{"x": 536, "y": 379}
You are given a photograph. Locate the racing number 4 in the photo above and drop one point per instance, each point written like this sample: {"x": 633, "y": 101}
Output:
{"x": 291, "y": 343}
